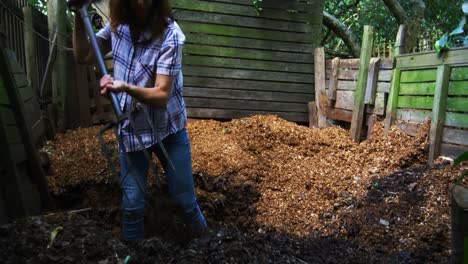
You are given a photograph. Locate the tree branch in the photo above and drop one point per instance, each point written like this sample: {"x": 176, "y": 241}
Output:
{"x": 340, "y": 29}
{"x": 397, "y": 11}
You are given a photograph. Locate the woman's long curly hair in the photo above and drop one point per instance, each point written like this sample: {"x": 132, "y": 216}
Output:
{"x": 159, "y": 17}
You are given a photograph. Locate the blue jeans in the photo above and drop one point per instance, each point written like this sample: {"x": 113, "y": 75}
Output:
{"x": 181, "y": 187}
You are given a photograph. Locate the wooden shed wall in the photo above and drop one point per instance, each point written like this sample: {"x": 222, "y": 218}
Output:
{"x": 238, "y": 63}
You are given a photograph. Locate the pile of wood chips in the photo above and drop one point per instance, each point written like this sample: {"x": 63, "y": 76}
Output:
{"x": 269, "y": 175}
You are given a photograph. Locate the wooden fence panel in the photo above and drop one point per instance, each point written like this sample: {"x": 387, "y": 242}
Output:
{"x": 237, "y": 63}
{"x": 348, "y": 69}
{"x": 421, "y": 93}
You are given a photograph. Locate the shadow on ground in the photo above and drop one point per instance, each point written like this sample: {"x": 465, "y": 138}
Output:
{"x": 390, "y": 224}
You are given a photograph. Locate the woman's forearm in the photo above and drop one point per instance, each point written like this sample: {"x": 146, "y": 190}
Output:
{"x": 81, "y": 44}
{"x": 155, "y": 97}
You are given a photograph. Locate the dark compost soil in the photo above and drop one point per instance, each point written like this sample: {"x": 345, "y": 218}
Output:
{"x": 272, "y": 192}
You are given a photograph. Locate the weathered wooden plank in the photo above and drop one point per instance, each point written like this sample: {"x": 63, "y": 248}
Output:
{"x": 359, "y": 94}
{"x": 241, "y": 21}
{"x": 333, "y": 79}
{"x": 457, "y": 104}
{"x": 247, "y": 64}
{"x": 385, "y": 64}
{"x": 4, "y": 100}
{"x": 240, "y": 42}
{"x": 456, "y": 120}
{"x": 247, "y": 95}
{"x": 14, "y": 64}
{"x": 415, "y": 102}
{"x": 245, "y": 105}
{"x": 417, "y": 88}
{"x": 248, "y": 53}
{"x": 26, "y": 93}
{"x": 313, "y": 120}
{"x": 246, "y": 84}
{"x": 459, "y": 73}
{"x": 320, "y": 93}
{"x": 458, "y": 88}
{"x": 392, "y": 101}
{"x": 385, "y": 75}
{"x": 247, "y": 74}
{"x": 382, "y": 87}
{"x": 438, "y": 109}
{"x": 432, "y": 59}
{"x": 292, "y": 5}
{"x": 344, "y": 100}
{"x": 238, "y": 113}
{"x": 229, "y": 8}
{"x": 338, "y": 114}
{"x": 408, "y": 115}
{"x": 372, "y": 80}
{"x": 379, "y": 105}
{"x": 410, "y": 128}
{"x": 344, "y": 85}
{"x": 455, "y": 136}
{"x": 417, "y": 76}
{"x": 452, "y": 151}
{"x": 21, "y": 80}
{"x": 348, "y": 75}
{"x": 193, "y": 27}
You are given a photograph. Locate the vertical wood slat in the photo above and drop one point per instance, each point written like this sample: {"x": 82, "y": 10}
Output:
{"x": 372, "y": 81}
{"x": 358, "y": 109}
{"x": 395, "y": 86}
{"x": 438, "y": 111}
{"x": 333, "y": 80}
{"x": 30, "y": 51}
{"x": 313, "y": 121}
{"x": 38, "y": 177}
{"x": 320, "y": 93}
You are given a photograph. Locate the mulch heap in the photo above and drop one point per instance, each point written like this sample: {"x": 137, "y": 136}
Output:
{"x": 274, "y": 191}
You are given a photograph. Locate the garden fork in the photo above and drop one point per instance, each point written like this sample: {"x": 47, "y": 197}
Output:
{"x": 81, "y": 6}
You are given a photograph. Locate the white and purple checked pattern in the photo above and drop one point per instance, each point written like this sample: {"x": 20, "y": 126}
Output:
{"x": 137, "y": 64}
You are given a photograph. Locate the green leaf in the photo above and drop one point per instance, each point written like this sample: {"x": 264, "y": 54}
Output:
{"x": 461, "y": 158}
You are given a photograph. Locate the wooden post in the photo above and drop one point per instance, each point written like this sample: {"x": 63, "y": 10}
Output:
{"x": 370, "y": 125}
{"x": 333, "y": 80}
{"x": 395, "y": 86}
{"x": 313, "y": 121}
{"x": 399, "y": 47}
{"x": 438, "y": 111}
{"x": 38, "y": 174}
{"x": 14, "y": 201}
{"x": 57, "y": 18}
{"x": 372, "y": 81}
{"x": 358, "y": 109}
{"x": 30, "y": 46}
{"x": 459, "y": 224}
{"x": 320, "y": 93}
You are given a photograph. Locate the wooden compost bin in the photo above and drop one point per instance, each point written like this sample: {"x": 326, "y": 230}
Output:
{"x": 238, "y": 63}
{"x": 341, "y": 83}
{"x": 429, "y": 86}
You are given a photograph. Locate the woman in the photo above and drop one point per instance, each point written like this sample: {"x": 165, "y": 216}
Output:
{"x": 147, "y": 47}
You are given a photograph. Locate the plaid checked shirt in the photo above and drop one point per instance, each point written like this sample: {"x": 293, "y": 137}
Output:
{"x": 138, "y": 64}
